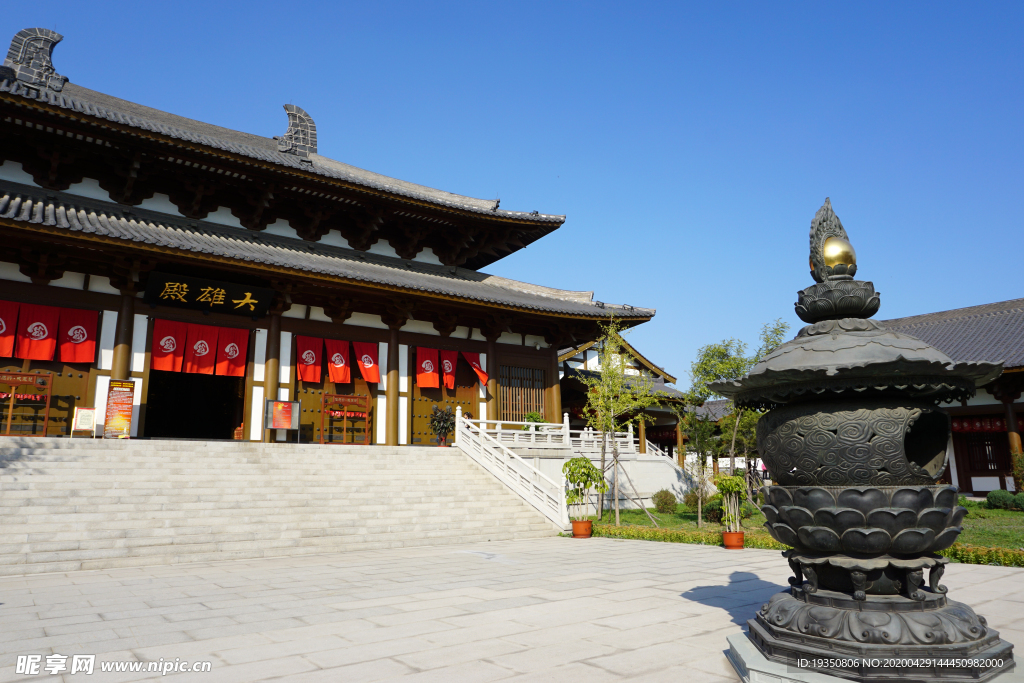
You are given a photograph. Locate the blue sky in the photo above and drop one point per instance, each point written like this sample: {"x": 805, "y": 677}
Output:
{"x": 689, "y": 144}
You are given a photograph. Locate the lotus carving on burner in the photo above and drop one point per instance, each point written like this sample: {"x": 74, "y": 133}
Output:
{"x": 865, "y": 520}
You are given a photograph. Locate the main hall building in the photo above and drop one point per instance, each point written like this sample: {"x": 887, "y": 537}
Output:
{"x": 216, "y": 269}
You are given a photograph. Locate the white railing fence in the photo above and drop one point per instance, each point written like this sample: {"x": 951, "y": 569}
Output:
{"x": 474, "y": 439}
{"x": 653, "y": 449}
{"x": 587, "y": 441}
{"x": 531, "y": 434}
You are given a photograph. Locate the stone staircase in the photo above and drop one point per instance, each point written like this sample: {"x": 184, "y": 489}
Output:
{"x": 80, "y": 504}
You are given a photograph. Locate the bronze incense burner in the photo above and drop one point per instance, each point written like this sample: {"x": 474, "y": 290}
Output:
{"x": 856, "y": 446}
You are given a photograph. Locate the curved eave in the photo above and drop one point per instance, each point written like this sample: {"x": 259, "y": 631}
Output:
{"x": 68, "y": 107}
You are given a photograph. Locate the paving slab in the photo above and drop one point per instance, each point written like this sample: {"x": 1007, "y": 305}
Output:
{"x": 545, "y": 609}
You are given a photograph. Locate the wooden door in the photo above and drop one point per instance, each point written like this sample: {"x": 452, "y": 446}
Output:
{"x": 521, "y": 391}
{"x": 423, "y": 401}
{"x": 310, "y": 396}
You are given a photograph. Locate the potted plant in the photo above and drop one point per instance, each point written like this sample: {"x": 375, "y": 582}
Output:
{"x": 733, "y": 490}
{"x": 581, "y": 477}
{"x": 532, "y": 419}
{"x": 441, "y": 424}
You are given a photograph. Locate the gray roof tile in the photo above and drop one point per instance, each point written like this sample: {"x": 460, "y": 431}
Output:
{"x": 99, "y": 105}
{"x": 26, "y": 204}
{"x": 990, "y": 332}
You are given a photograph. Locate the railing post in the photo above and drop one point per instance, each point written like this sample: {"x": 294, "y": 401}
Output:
{"x": 458, "y": 423}
{"x": 565, "y": 426}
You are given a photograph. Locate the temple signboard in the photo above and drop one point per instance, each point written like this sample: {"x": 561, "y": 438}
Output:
{"x": 185, "y": 291}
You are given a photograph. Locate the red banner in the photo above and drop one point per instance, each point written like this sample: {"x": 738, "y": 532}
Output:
{"x": 427, "y": 375}
{"x": 474, "y": 361}
{"x": 37, "y": 332}
{"x": 309, "y": 356}
{"x": 168, "y": 345}
{"x": 449, "y": 359}
{"x": 232, "y": 347}
{"x": 338, "y": 368}
{"x": 366, "y": 359}
{"x": 8, "y": 327}
{"x": 78, "y": 335}
{"x": 201, "y": 349}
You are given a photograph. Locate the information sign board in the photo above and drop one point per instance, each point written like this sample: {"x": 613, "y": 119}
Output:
{"x": 282, "y": 414}
{"x": 85, "y": 420}
{"x": 117, "y": 423}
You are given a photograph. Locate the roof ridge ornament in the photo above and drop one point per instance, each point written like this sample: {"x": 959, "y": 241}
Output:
{"x": 30, "y": 58}
{"x": 300, "y": 138}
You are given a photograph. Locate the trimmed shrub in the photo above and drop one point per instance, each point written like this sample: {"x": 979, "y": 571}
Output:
{"x": 713, "y": 510}
{"x": 958, "y": 552}
{"x": 664, "y": 501}
{"x": 690, "y": 501}
{"x": 1018, "y": 500}
{"x": 1000, "y": 500}
{"x": 700, "y": 537}
{"x": 748, "y": 510}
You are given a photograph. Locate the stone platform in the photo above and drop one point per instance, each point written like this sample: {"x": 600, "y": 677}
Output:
{"x": 548, "y": 609}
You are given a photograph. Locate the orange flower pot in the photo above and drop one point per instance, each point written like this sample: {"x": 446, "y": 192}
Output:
{"x": 733, "y": 540}
{"x": 582, "y": 529}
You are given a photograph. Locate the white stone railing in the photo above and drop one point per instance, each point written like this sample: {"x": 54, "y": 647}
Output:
{"x": 524, "y": 479}
{"x": 652, "y": 449}
{"x": 587, "y": 441}
{"x": 529, "y": 434}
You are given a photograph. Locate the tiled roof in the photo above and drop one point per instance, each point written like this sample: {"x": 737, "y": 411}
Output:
{"x": 990, "y": 332}
{"x": 715, "y": 410}
{"x": 31, "y": 205}
{"x": 99, "y": 105}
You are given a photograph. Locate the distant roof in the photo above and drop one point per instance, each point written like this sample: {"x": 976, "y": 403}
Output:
{"x": 990, "y": 332}
{"x": 569, "y": 352}
{"x": 667, "y": 390}
{"x": 715, "y": 410}
{"x": 163, "y": 233}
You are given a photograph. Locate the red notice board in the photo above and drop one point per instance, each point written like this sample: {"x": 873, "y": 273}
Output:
{"x": 117, "y": 423}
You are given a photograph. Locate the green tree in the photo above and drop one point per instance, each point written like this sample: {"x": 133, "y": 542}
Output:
{"x": 614, "y": 399}
{"x": 727, "y": 360}
{"x": 699, "y": 431}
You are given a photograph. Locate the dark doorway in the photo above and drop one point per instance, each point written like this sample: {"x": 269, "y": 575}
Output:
{"x": 190, "y": 406}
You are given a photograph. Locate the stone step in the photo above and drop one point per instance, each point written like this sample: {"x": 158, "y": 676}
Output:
{"x": 82, "y": 504}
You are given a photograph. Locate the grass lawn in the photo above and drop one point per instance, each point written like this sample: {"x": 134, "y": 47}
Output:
{"x": 992, "y": 528}
{"x": 983, "y": 527}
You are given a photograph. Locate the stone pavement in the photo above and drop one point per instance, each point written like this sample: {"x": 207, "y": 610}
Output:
{"x": 546, "y": 610}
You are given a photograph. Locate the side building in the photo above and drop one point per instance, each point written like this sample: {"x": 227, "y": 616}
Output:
{"x": 217, "y": 269}
{"x": 986, "y": 427}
